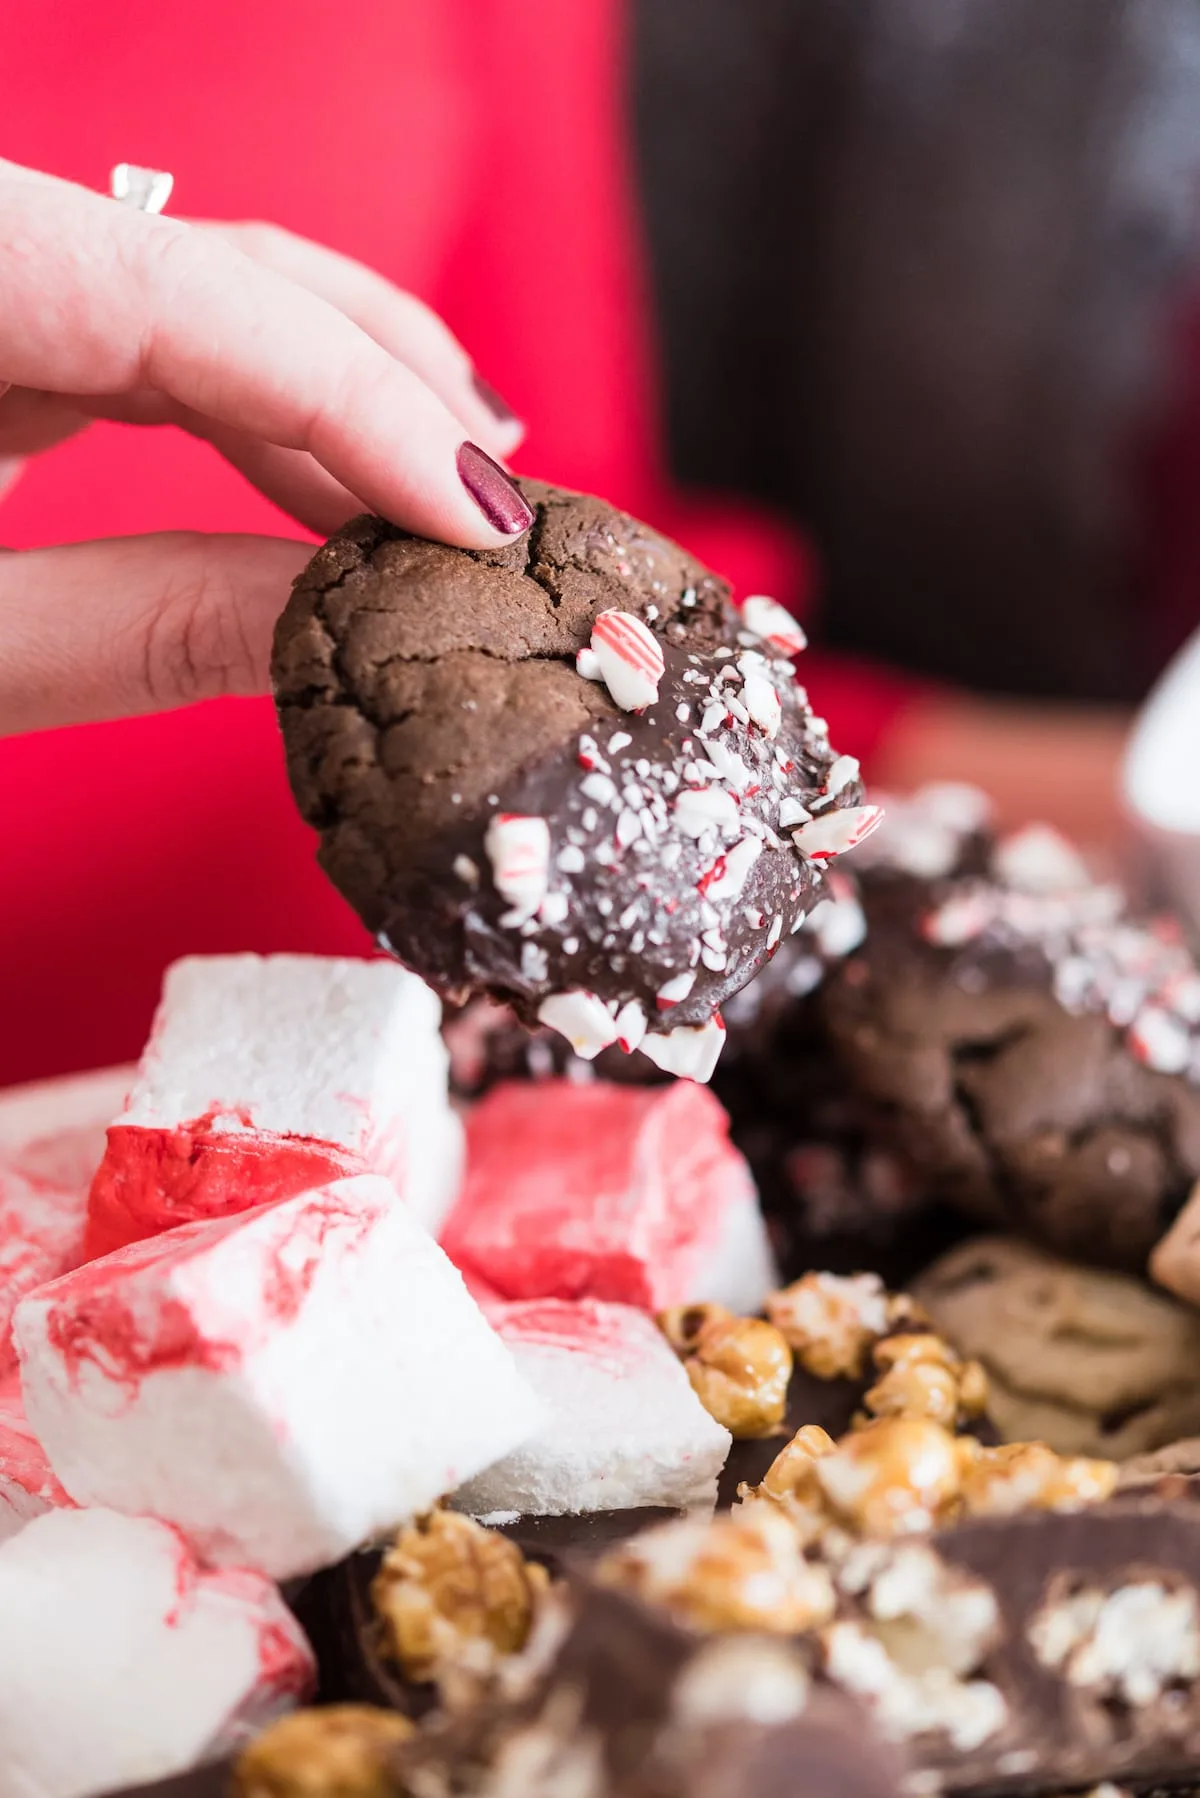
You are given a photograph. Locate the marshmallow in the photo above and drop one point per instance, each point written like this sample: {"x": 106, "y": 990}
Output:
{"x": 625, "y": 1427}
{"x": 41, "y": 1236}
{"x": 282, "y": 1385}
{"x": 54, "y": 1129}
{"x": 267, "y": 1075}
{"x": 123, "y": 1660}
{"x": 633, "y": 1194}
{"x": 27, "y": 1484}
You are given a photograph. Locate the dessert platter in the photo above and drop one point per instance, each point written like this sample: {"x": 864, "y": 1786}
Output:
{"x": 712, "y": 1307}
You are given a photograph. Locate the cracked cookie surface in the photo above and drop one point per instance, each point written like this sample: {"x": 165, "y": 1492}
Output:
{"x": 429, "y": 696}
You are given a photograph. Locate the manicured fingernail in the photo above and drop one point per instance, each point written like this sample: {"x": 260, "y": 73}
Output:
{"x": 495, "y": 493}
{"x": 496, "y": 404}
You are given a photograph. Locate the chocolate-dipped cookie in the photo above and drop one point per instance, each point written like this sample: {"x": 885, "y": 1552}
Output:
{"x": 566, "y": 772}
{"x": 1028, "y": 1046}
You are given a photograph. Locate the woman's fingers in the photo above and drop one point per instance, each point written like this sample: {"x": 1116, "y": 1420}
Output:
{"x": 140, "y": 302}
{"x": 401, "y": 323}
{"x": 137, "y": 624}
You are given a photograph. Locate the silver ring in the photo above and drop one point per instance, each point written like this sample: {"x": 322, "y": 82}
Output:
{"x": 146, "y": 189}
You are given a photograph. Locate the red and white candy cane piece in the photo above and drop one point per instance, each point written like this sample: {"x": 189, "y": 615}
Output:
{"x": 738, "y": 862}
{"x": 959, "y": 919}
{"x": 582, "y": 1018}
{"x": 698, "y": 809}
{"x": 519, "y": 851}
{"x": 763, "y": 703}
{"x": 1160, "y": 1041}
{"x": 690, "y": 1052}
{"x": 767, "y": 619}
{"x": 835, "y": 832}
{"x": 630, "y": 658}
{"x": 675, "y": 991}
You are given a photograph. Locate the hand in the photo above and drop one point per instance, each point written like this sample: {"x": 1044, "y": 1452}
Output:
{"x": 329, "y": 388}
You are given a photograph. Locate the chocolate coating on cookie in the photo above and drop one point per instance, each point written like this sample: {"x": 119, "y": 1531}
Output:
{"x": 429, "y": 697}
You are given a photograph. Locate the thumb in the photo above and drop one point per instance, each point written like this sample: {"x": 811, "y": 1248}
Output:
{"x": 137, "y": 624}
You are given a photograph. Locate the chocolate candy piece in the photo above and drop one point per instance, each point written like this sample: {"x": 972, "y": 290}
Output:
{"x": 337, "y": 1615}
{"x": 651, "y": 1710}
{"x": 213, "y": 1780}
{"x": 1099, "y": 1653}
{"x": 506, "y": 825}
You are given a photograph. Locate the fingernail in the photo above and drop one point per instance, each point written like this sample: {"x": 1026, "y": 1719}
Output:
{"x": 495, "y": 493}
{"x": 496, "y": 404}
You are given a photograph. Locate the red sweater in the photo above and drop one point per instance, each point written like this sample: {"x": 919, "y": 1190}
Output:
{"x": 473, "y": 151}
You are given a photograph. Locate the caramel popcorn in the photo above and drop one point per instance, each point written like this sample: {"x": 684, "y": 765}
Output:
{"x": 895, "y": 1476}
{"x": 739, "y": 1367}
{"x": 337, "y": 1751}
{"x": 745, "y": 1570}
{"x": 1022, "y": 1476}
{"x": 831, "y": 1321}
{"x": 449, "y": 1590}
{"x": 922, "y": 1376}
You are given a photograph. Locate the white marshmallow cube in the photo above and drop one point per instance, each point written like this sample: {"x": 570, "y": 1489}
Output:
{"x": 28, "y": 1487}
{"x": 625, "y": 1426}
{"x": 633, "y": 1194}
{"x": 123, "y": 1660}
{"x": 265, "y": 1075}
{"x": 282, "y": 1385}
{"x": 41, "y": 1236}
{"x": 54, "y": 1129}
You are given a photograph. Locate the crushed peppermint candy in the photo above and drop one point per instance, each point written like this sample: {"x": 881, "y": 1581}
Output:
{"x": 763, "y": 704}
{"x": 519, "y": 851}
{"x": 770, "y": 622}
{"x": 630, "y": 659}
{"x": 583, "y": 1018}
{"x": 833, "y": 833}
{"x": 689, "y": 1052}
{"x": 1038, "y": 859}
{"x": 698, "y": 809}
{"x": 736, "y": 864}
{"x": 587, "y": 665}
{"x": 676, "y": 990}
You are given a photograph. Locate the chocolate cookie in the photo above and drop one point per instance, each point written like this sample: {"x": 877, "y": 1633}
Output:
{"x": 1031, "y": 1045}
{"x": 566, "y": 772}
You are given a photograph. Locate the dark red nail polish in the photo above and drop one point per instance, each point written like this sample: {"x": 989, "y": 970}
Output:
{"x": 496, "y": 404}
{"x": 495, "y": 493}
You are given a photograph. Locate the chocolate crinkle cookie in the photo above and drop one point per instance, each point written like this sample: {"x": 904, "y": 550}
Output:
{"x": 565, "y": 773}
{"x": 1002, "y": 1036}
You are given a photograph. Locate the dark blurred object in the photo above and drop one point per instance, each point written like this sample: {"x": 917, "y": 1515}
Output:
{"x": 917, "y": 267}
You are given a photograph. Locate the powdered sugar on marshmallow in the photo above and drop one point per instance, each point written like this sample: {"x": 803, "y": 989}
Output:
{"x": 604, "y": 1191}
{"x": 625, "y": 1427}
{"x": 54, "y": 1129}
{"x": 265, "y": 1075}
{"x": 123, "y": 1660}
{"x": 629, "y": 657}
{"x": 283, "y": 1385}
{"x": 28, "y": 1487}
{"x": 41, "y": 1236}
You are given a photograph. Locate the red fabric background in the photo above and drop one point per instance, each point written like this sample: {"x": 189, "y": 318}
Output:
{"x": 473, "y": 151}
